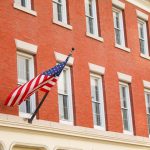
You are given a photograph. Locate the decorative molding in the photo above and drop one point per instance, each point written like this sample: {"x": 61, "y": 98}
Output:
{"x": 61, "y": 57}
{"x": 29, "y": 145}
{"x": 67, "y": 26}
{"x": 141, "y": 4}
{"x": 39, "y": 126}
{"x": 124, "y": 77}
{"x": 29, "y": 11}
{"x": 27, "y": 47}
{"x": 123, "y": 48}
{"x": 118, "y": 4}
{"x": 98, "y": 38}
{"x": 65, "y": 148}
{"x": 96, "y": 69}
{"x": 146, "y": 84}
{"x": 142, "y": 15}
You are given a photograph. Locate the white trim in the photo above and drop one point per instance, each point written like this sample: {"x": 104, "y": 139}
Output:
{"x": 96, "y": 69}
{"x": 142, "y": 15}
{"x": 101, "y": 102}
{"x": 62, "y": 24}
{"x": 29, "y": 11}
{"x": 41, "y": 126}
{"x": 141, "y": 4}
{"x": 122, "y": 47}
{"x": 146, "y": 84}
{"x": 145, "y": 56}
{"x": 61, "y": 57}
{"x": 95, "y": 37}
{"x": 124, "y": 77}
{"x": 128, "y": 107}
{"x": 27, "y": 47}
{"x": 121, "y": 26}
{"x": 118, "y": 4}
{"x": 65, "y": 148}
{"x": 29, "y": 145}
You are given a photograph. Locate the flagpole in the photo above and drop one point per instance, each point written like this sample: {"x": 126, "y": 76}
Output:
{"x": 38, "y": 107}
{"x": 44, "y": 97}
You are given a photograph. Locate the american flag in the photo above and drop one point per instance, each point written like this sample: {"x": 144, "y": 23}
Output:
{"x": 44, "y": 81}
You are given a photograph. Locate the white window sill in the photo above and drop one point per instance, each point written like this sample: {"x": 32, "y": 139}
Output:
{"x": 29, "y": 11}
{"x": 123, "y": 48}
{"x": 128, "y": 132}
{"x": 95, "y": 37}
{"x": 66, "y": 122}
{"x": 99, "y": 128}
{"x": 62, "y": 24}
{"x": 145, "y": 56}
{"x": 25, "y": 115}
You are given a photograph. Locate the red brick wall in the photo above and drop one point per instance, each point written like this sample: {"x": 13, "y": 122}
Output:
{"x": 50, "y": 37}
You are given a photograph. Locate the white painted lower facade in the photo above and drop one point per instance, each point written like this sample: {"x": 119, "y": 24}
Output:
{"x": 18, "y": 134}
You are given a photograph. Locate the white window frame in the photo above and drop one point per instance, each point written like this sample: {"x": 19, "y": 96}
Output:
{"x": 122, "y": 34}
{"x": 27, "y": 8}
{"x": 130, "y": 123}
{"x": 20, "y": 82}
{"x": 101, "y": 97}
{"x": 145, "y": 38}
{"x": 147, "y": 91}
{"x": 70, "y": 104}
{"x": 63, "y": 10}
{"x": 94, "y": 17}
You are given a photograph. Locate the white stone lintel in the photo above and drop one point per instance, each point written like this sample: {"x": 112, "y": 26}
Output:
{"x": 124, "y": 77}
{"x": 61, "y": 57}
{"x": 27, "y": 47}
{"x": 96, "y": 69}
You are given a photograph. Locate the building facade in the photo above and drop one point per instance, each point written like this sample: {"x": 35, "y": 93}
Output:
{"x": 102, "y": 98}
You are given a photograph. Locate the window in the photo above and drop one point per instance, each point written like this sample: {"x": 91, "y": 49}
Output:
{"x": 59, "y": 10}
{"x": 25, "y": 68}
{"x": 97, "y": 101}
{"x": 147, "y": 98}
{"x": 118, "y": 27}
{"x": 142, "y": 29}
{"x": 91, "y": 17}
{"x": 24, "y": 3}
{"x": 126, "y": 107}
{"x": 65, "y": 96}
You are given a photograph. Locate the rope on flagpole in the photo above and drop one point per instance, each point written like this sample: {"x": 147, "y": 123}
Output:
{"x": 44, "y": 97}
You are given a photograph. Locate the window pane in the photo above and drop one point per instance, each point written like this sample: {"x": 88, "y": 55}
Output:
{"x": 23, "y": 3}
{"x": 90, "y": 8}
{"x": 148, "y": 120}
{"x": 118, "y": 36}
{"x": 91, "y": 26}
{"x": 142, "y": 46}
{"x": 125, "y": 119}
{"x": 59, "y": 12}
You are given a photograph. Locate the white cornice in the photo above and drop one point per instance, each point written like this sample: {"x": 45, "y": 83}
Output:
{"x": 61, "y": 57}
{"x": 118, "y": 4}
{"x": 27, "y": 47}
{"x": 96, "y": 69}
{"x": 141, "y": 4}
{"x": 9, "y": 121}
{"x": 142, "y": 15}
{"x": 146, "y": 84}
{"x": 124, "y": 77}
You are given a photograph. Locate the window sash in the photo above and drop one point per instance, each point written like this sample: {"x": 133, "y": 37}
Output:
{"x": 125, "y": 107}
{"x": 26, "y": 106}
{"x": 147, "y": 101}
{"x": 142, "y": 29}
{"x": 60, "y": 10}
{"x": 91, "y": 17}
{"x": 118, "y": 27}
{"x": 97, "y": 101}
{"x": 65, "y": 96}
